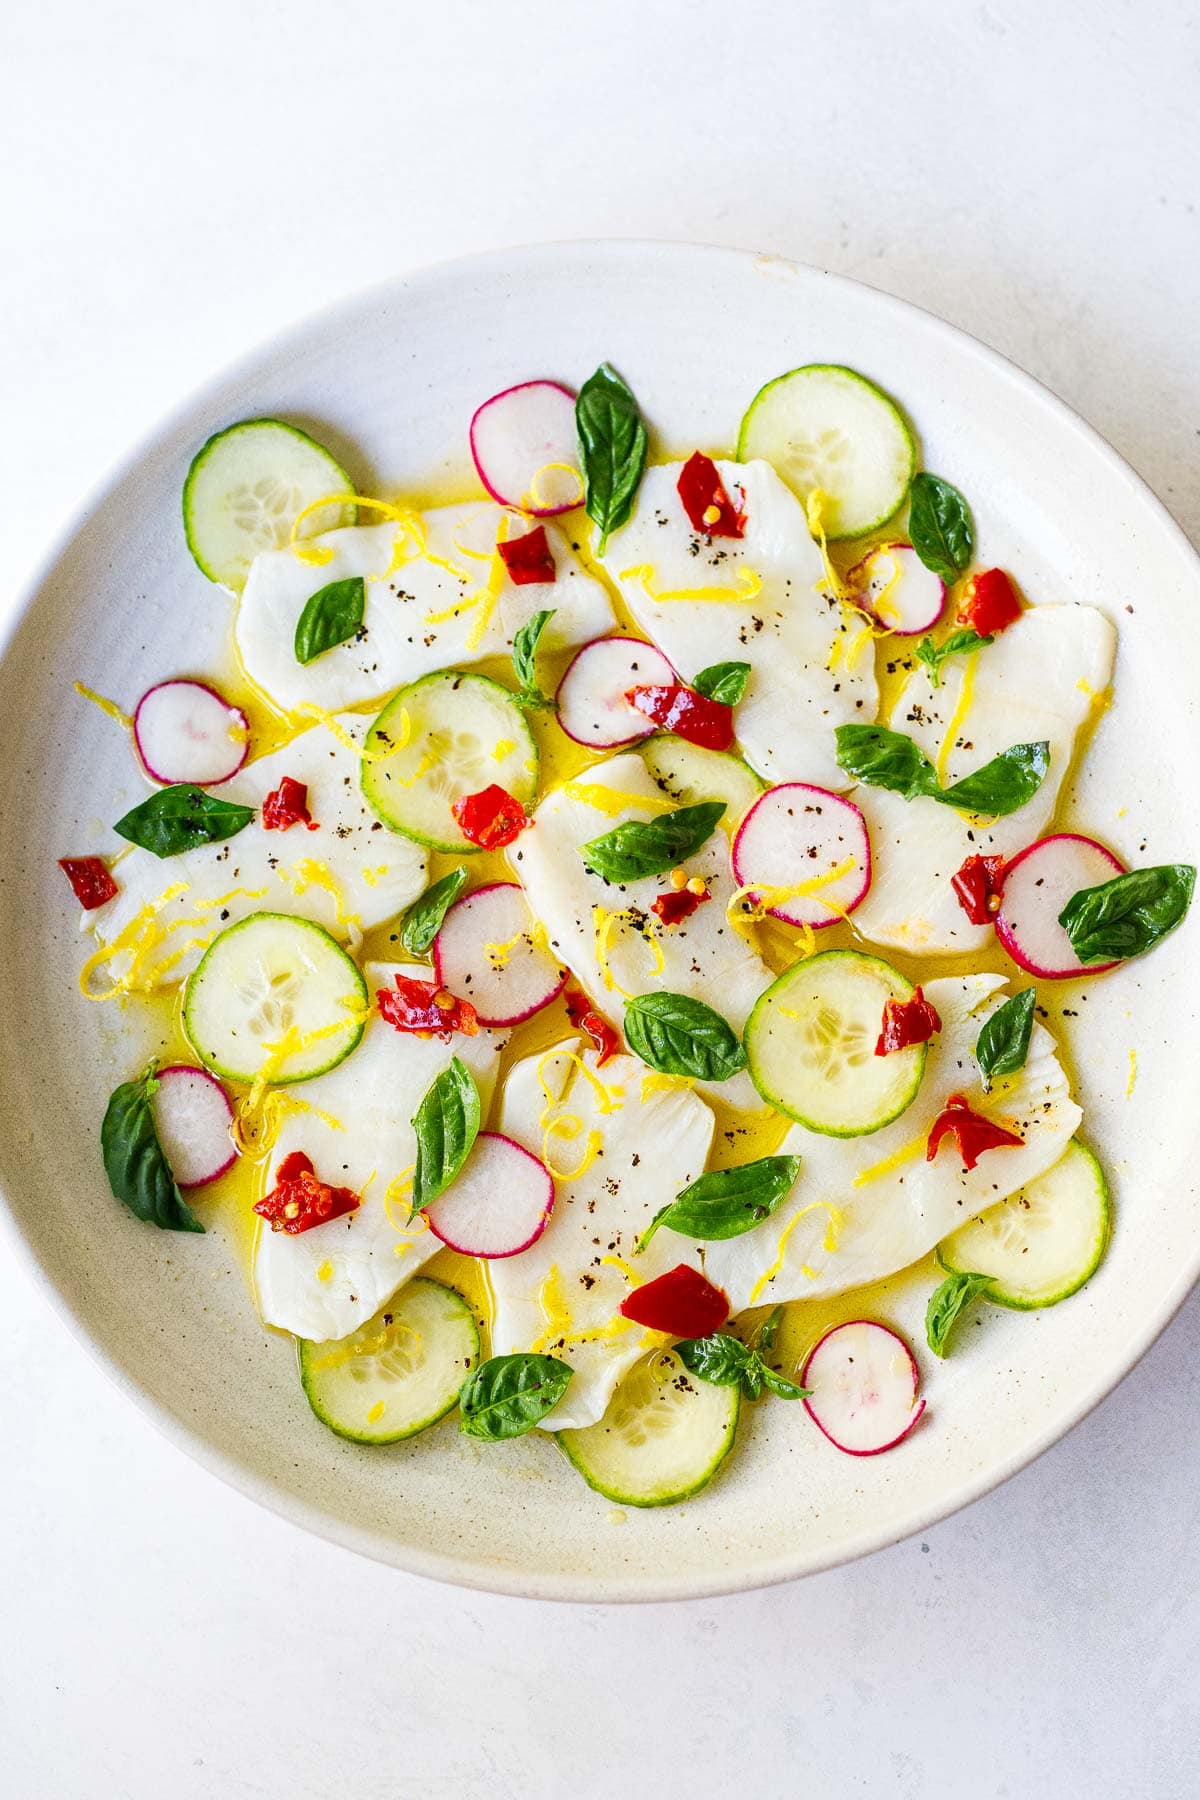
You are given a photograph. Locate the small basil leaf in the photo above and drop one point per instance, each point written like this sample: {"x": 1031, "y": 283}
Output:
{"x": 1003, "y": 1044}
{"x": 680, "y": 1036}
{"x": 446, "y": 1124}
{"x": 138, "y": 1172}
{"x": 423, "y": 920}
{"x": 886, "y": 759}
{"x": 939, "y": 527}
{"x": 180, "y": 818}
{"x": 1129, "y": 914}
{"x": 782, "y": 1387}
{"x": 724, "y": 681}
{"x": 612, "y": 449}
{"x": 718, "y": 1358}
{"x": 331, "y": 616}
{"x": 768, "y": 1330}
{"x": 639, "y": 848}
{"x": 726, "y": 1202}
{"x": 1003, "y": 785}
{"x": 947, "y": 1302}
{"x": 959, "y": 643}
{"x": 524, "y": 657}
{"x": 508, "y": 1395}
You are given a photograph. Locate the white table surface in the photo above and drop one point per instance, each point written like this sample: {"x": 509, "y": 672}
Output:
{"x": 175, "y": 184}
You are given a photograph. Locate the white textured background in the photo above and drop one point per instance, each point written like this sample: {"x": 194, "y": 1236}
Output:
{"x": 177, "y": 182}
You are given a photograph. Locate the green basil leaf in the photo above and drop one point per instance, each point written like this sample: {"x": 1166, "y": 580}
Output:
{"x": 946, "y": 1304}
{"x": 959, "y": 643}
{"x": 1003, "y": 1044}
{"x": 524, "y": 656}
{"x": 331, "y": 616}
{"x": 765, "y": 1336}
{"x": 939, "y": 527}
{"x": 718, "y": 1358}
{"x": 725, "y": 682}
{"x": 1003, "y": 785}
{"x": 886, "y": 759}
{"x": 1129, "y": 914}
{"x": 507, "y": 1395}
{"x": 680, "y": 1036}
{"x": 446, "y": 1124}
{"x": 782, "y": 1387}
{"x": 423, "y": 920}
{"x": 138, "y": 1172}
{"x": 612, "y": 449}
{"x": 640, "y": 848}
{"x": 726, "y": 1202}
{"x": 181, "y": 817}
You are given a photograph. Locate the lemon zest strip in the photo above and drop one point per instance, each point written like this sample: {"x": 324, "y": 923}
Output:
{"x": 748, "y": 589}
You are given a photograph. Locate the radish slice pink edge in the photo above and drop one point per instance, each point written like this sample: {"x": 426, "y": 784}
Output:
{"x": 863, "y": 1380}
{"x": 896, "y": 588}
{"x": 592, "y": 707}
{"x": 499, "y": 1205}
{"x": 796, "y": 835}
{"x": 193, "y": 1119}
{"x": 486, "y": 952}
{"x": 524, "y": 446}
{"x": 186, "y": 731}
{"x": 1036, "y": 886}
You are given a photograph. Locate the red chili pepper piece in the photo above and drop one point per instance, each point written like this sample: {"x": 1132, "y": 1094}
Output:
{"x": 689, "y": 715}
{"x": 907, "y": 1022}
{"x": 676, "y": 905}
{"x": 584, "y": 1016}
{"x": 978, "y": 885}
{"x": 491, "y": 818}
{"x": 426, "y": 1008}
{"x": 705, "y": 501}
{"x": 681, "y": 1302}
{"x": 990, "y": 604}
{"x": 528, "y": 559}
{"x": 974, "y": 1133}
{"x": 91, "y": 879}
{"x": 287, "y": 805}
{"x": 299, "y": 1200}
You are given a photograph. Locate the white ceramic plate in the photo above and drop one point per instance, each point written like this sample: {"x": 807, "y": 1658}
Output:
{"x": 391, "y": 380}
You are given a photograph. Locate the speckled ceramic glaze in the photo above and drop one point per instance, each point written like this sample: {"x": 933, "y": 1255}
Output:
{"x": 391, "y": 381}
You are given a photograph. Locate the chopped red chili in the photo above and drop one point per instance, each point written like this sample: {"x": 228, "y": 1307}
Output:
{"x": 974, "y": 1133}
{"x": 287, "y": 805}
{"x": 528, "y": 559}
{"x": 91, "y": 879}
{"x": 991, "y": 604}
{"x": 426, "y": 1008}
{"x": 978, "y": 885}
{"x": 907, "y": 1022}
{"x": 705, "y": 500}
{"x": 299, "y": 1200}
{"x": 584, "y": 1017}
{"x": 689, "y": 715}
{"x": 676, "y": 905}
{"x": 492, "y": 818}
{"x": 681, "y": 1302}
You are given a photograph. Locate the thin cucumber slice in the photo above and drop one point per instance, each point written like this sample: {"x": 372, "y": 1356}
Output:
{"x": 828, "y": 428}
{"x": 398, "y": 1373}
{"x": 811, "y": 1041}
{"x": 663, "y": 1438}
{"x": 246, "y": 487}
{"x": 1043, "y": 1242}
{"x": 274, "y": 997}
{"x": 686, "y": 773}
{"x": 439, "y": 739}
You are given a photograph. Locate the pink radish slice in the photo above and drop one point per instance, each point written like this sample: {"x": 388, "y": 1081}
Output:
{"x": 592, "y": 707}
{"x": 1037, "y": 885}
{"x": 499, "y": 1205}
{"x": 526, "y": 449}
{"x": 193, "y": 1117}
{"x": 795, "y": 834}
{"x": 863, "y": 1382}
{"x": 186, "y": 731}
{"x": 486, "y": 953}
{"x": 896, "y": 588}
